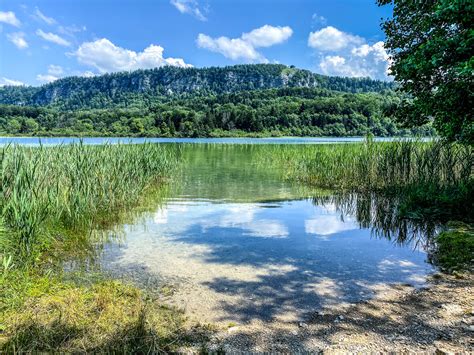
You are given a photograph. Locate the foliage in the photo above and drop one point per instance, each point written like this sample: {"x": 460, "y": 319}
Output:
{"x": 456, "y": 247}
{"x": 432, "y": 46}
{"x": 251, "y": 100}
{"x": 285, "y": 111}
{"x": 112, "y": 89}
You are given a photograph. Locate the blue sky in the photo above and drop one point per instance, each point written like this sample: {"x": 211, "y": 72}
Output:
{"x": 43, "y": 40}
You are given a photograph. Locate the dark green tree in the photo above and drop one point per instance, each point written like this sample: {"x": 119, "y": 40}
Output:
{"x": 431, "y": 44}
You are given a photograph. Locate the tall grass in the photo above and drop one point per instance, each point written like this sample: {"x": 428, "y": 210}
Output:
{"x": 376, "y": 166}
{"x": 48, "y": 193}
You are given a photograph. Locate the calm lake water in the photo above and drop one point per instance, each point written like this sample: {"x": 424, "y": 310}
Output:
{"x": 111, "y": 140}
{"x": 237, "y": 243}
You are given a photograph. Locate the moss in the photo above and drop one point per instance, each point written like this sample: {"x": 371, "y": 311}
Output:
{"x": 41, "y": 313}
{"x": 456, "y": 247}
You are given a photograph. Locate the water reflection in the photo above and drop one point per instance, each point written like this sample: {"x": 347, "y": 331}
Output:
{"x": 243, "y": 244}
{"x": 381, "y": 214}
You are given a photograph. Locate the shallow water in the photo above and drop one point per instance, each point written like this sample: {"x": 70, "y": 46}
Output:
{"x": 237, "y": 243}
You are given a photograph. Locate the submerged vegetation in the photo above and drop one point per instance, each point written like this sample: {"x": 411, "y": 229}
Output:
{"x": 456, "y": 247}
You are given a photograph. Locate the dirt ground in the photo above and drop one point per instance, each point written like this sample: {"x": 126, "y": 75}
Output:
{"x": 436, "y": 318}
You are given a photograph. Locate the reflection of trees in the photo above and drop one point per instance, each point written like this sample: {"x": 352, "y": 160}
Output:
{"x": 231, "y": 172}
{"x": 381, "y": 213}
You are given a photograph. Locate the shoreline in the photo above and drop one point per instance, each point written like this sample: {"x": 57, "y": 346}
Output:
{"x": 436, "y": 318}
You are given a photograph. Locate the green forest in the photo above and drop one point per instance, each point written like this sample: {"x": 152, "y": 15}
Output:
{"x": 242, "y": 100}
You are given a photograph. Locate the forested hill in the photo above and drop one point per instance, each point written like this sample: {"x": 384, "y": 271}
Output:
{"x": 112, "y": 90}
{"x": 256, "y": 100}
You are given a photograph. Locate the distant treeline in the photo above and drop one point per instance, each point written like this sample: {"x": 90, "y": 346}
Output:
{"x": 289, "y": 111}
{"x": 238, "y": 100}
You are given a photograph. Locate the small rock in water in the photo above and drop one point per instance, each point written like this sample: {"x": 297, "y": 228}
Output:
{"x": 340, "y": 317}
{"x": 302, "y": 325}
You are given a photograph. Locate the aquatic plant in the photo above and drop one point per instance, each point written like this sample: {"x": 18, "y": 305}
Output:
{"x": 456, "y": 247}
{"x": 376, "y": 165}
{"x": 55, "y": 193}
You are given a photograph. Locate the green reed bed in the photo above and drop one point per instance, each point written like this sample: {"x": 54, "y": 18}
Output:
{"x": 51, "y": 192}
{"x": 374, "y": 166}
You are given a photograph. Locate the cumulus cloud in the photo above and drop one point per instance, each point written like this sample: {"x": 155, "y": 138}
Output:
{"x": 331, "y": 39}
{"x": 18, "y": 39}
{"x": 44, "y": 18}
{"x": 190, "y": 7}
{"x": 53, "y": 38}
{"x": 245, "y": 47}
{"x": 10, "y": 18}
{"x": 344, "y": 54}
{"x": 10, "y": 82}
{"x": 54, "y": 73}
{"x": 105, "y": 56}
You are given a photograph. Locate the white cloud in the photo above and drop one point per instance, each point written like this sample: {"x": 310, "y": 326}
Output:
{"x": 232, "y": 48}
{"x": 363, "y": 61}
{"x": 10, "y": 82}
{"x": 190, "y": 7}
{"x": 350, "y": 55}
{"x": 46, "y": 78}
{"x": 331, "y": 39}
{"x": 267, "y": 36}
{"x": 55, "y": 72}
{"x": 10, "y": 18}
{"x": 18, "y": 39}
{"x": 105, "y": 56}
{"x": 245, "y": 47}
{"x": 44, "y": 18}
{"x": 52, "y": 37}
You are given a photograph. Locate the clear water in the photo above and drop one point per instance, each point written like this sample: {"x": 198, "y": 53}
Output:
{"x": 240, "y": 244}
{"x": 113, "y": 140}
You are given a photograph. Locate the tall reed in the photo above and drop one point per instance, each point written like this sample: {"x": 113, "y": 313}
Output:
{"x": 376, "y": 165}
{"x": 47, "y": 192}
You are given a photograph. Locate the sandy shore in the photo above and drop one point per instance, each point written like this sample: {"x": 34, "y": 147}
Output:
{"x": 437, "y": 318}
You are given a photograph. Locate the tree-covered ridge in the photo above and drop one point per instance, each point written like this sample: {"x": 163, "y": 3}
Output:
{"x": 111, "y": 90}
{"x": 283, "y": 111}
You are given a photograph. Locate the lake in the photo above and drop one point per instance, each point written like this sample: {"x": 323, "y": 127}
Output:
{"x": 34, "y": 141}
{"x": 234, "y": 242}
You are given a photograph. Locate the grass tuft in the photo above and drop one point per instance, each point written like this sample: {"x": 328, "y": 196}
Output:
{"x": 102, "y": 316}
